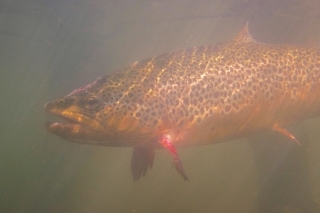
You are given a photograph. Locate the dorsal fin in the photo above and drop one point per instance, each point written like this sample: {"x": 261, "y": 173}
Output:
{"x": 244, "y": 35}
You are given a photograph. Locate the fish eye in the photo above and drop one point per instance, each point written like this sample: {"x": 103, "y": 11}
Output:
{"x": 91, "y": 103}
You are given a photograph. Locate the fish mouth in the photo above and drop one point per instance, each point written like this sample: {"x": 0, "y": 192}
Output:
{"x": 54, "y": 127}
{"x": 69, "y": 118}
{"x": 73, "y": 128}
{"x": 69, "y": 131}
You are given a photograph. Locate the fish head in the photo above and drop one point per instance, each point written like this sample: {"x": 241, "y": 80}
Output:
{"x": 96, "y": 114}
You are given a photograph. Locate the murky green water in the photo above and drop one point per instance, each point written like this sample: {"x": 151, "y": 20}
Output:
{"x": 48, "y": 48}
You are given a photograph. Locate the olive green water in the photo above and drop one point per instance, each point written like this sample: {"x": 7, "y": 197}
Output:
{"x": 48, "y": 48}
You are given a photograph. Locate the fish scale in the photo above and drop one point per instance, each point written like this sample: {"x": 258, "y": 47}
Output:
{"x": 202, "y": 95}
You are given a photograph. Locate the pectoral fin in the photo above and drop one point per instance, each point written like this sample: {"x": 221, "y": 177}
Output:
{"x": 142, "y": 159}
{"x": 165, "y": 141}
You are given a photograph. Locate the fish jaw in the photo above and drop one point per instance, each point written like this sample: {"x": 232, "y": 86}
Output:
{"x": 78, "y": 127}
{"x": 74, "y": 132}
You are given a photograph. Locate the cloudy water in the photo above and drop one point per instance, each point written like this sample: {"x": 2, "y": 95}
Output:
{"x": 49, "y": 48}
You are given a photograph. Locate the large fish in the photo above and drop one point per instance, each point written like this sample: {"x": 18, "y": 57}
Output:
{"x": 202, "y": 95}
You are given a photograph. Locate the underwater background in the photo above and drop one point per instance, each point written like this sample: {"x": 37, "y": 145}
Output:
{"x": 49, "y": 48}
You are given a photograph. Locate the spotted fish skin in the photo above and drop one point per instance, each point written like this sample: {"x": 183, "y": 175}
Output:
{"x": 201, "y": 95}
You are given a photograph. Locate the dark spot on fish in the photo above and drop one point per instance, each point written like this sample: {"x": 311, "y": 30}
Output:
{"x": 138, "y": 114}
{"x": 227, "y": 108}
{"x": 145, "y": 118}
{"x": 216, "y": 94}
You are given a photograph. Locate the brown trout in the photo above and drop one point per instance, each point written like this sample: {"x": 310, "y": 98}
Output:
{"x": 202, "y": 95}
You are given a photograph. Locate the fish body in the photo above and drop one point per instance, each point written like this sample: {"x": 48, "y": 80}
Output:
{"x": 202, "y": 95}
